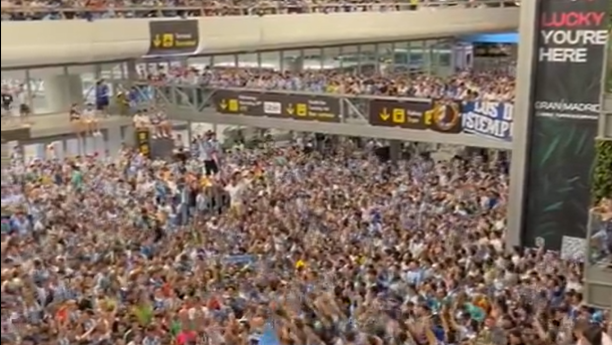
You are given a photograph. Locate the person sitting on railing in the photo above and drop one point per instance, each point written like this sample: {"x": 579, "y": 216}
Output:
{"x": 141, "y": 120}
{"x": 90, "y": 120}
{"x": 160, "y": 123}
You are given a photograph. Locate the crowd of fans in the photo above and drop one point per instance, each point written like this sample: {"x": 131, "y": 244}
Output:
{"x": 316, "y": 242}
{"x": 102, "y": 9}
{"x": 489, "y": 85}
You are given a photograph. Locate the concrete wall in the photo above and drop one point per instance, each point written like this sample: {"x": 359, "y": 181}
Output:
{"x": 73, "y": 41}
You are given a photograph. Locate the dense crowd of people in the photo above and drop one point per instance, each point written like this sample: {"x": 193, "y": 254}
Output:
{"x": 315, "y": 242}
{"x": 468, "y": 85}
{"x": 103, "y": 9}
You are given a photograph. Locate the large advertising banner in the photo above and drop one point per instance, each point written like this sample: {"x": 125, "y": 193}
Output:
{"x": 570, "y": 51}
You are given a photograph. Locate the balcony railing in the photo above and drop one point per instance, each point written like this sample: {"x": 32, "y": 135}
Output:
{"x": 598, "y": 266}
{"x": 599, "y": 249}
{"x": 13, "y": 12}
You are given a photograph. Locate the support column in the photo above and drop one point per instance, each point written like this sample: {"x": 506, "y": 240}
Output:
{"x": 395, "y": 150}
{"x": 520, "y": 129}
{"x": 61, "y": 91}
{"x": 132, "y": 71}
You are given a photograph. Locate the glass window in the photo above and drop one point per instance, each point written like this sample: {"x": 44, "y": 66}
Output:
{"x": 270, "y": 60}
{"x": 368, "y": 58}
{"x": 224, "y": 61}
{"x": 313, "y": 59}
{"x": 200, "y": 62}
{"x": 72, "y": 147}
{"x": 45, "y": 98}
{"x": 291, "y": 60}
{"x": 330, "y": 58}
{"x": 348, "y": 57}
{"x": 248, "y": 60}
{"x": 445, "y": 57}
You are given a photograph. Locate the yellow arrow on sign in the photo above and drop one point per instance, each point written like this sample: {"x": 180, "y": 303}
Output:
{"x": 223, "y": 104}
{"x": 290, "y": 109}
{"x": 384, "y": 114}
{"x": 157, "y": 41}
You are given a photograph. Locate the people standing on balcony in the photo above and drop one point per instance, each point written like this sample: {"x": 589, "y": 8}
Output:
{"x": 102, "y": 97}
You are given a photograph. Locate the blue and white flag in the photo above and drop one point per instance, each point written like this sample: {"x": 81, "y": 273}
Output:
{"x": 490, "y": 119}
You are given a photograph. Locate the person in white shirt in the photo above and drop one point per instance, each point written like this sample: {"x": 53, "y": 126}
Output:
{"x": 236, "y": 190}
{"x": 90, "y": 120}
{"x": 141, "y": 120}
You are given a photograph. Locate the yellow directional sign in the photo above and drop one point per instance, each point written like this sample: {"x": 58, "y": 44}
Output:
{"x": 301, "y": 109}
{"x": 168, "y": 40}
{"x": 233, "y": 105}
{"x": 398, "y": 115}
{"x": 384, "y": 114}
{"x": 223, "y": 104}
{"x": 157, "y": 41}
{"x": 290, "y": 109}
{"x": 170, "y": 37}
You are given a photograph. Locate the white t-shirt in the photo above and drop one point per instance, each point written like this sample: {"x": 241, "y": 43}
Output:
{"x": 89, "y": 113}
{"x": 141, "y": 120}
{"x": 236, "y": 192}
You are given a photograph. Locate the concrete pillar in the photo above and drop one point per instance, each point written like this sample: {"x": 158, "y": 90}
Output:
{"x": 395, "y": 150}
{"x": 521, "y": 130}
{"x": 61, "y": 91}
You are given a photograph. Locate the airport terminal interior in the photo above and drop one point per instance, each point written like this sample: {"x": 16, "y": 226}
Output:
{"x": 206, "y": 195}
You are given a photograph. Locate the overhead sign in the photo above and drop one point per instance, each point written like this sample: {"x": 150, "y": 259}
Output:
{"x": 437, "y": 115}
{"x": 492, "y": 50}
{"x": 171, "y": 37}
{"x": 298, "y": 107}
{"x": 490, "y": 119}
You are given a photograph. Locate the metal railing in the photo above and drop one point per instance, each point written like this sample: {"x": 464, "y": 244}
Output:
{"x": 599, "y": 240}
{"x": 10, "y": 12}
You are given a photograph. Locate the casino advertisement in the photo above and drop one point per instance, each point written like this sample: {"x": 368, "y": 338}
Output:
{"x": 570, "y": 46}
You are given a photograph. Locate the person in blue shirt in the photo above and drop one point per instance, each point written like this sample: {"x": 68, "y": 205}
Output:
{"x": 102, "y": 96}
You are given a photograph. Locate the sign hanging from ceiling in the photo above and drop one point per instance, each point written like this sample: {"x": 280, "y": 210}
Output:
{"x": 173, "y": 37}
{"x": 279, "y": 105}
{"x": 436, "y": 115}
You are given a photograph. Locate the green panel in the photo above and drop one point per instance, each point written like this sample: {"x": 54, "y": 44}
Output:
{"x": 560, "y": 167}
{"x": 602, "y": 179}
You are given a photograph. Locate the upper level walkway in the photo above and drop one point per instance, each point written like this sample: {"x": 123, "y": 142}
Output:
{"x": 105, "y": 9}
{"x": 55, "y": 42}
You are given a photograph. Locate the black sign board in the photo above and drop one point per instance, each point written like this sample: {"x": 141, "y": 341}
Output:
{"x": 143, "y": 141}
{"x": 16, "y": 134}
{"x": 565, "y": 96}
{"x": 170, "y": 37}
{"x": 440, "y": 116}
{"x": 492, "y": 50}
{"x": 298, "y": 107}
